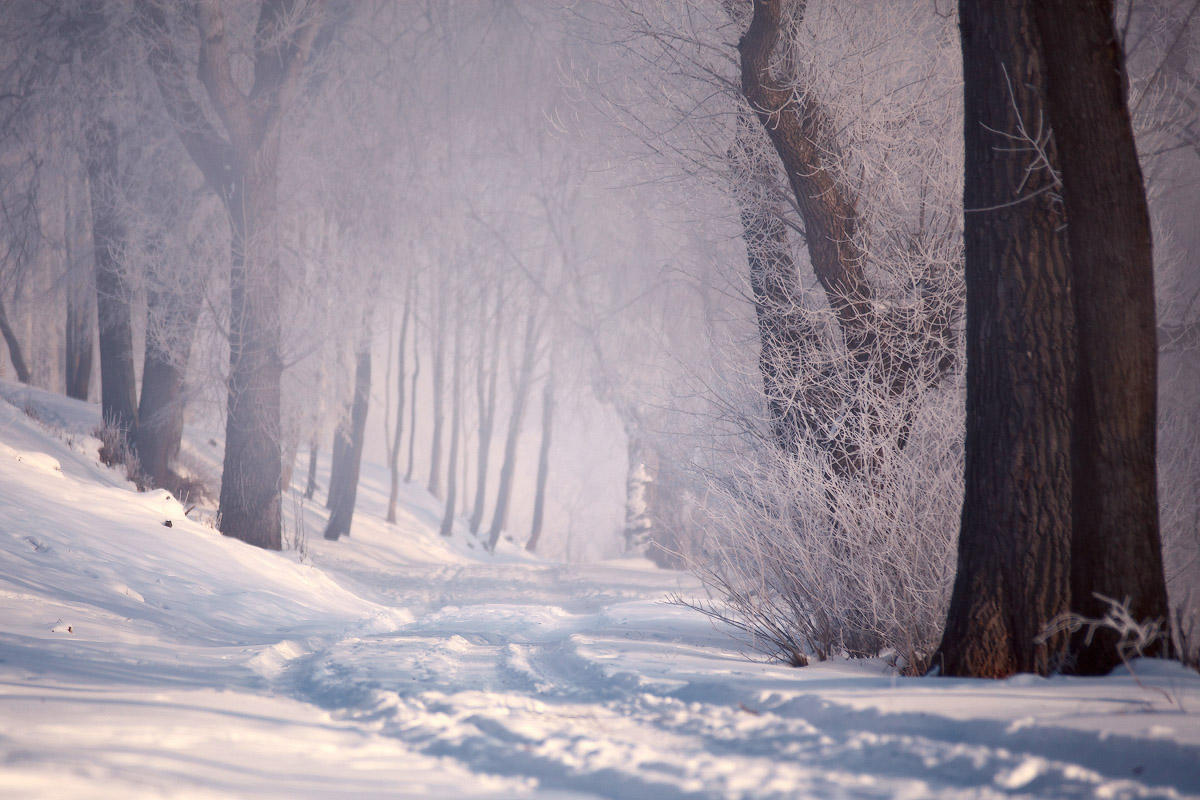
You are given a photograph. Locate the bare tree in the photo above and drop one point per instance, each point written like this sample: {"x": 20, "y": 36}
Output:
{"x": 242, "y": 168}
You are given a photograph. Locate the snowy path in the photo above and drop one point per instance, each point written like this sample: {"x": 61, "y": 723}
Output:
{"x": 138, "y": 661}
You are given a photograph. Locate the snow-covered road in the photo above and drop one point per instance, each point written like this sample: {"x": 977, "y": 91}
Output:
{"x": 138, "y": 660}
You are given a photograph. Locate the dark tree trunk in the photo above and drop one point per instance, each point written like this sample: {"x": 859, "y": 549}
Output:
{"x": 14, "y": 346}
{"x": 516, "y": 416}
{"x": 799, "y": 130}
{"x": 118, "y": 383}
{"x": 349, "y": 462}
{"x": 543, "y": 470}
{"x": 81, "y": 323}
{"x": 485, "y": 393}
{"x": 1016, "y": 520}
{"x": 394, "y": 450}
{"x": 1115, "y": 550}
{"x": 171, "y": 322}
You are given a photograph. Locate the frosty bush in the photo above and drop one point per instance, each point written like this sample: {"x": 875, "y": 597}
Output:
{"x": 808, "y": 562}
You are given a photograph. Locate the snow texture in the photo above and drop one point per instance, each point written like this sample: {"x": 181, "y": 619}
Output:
{"x": 139, "y": 660}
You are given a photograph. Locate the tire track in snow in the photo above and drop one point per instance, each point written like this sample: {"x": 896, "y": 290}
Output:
{"x": 516, "y": 688}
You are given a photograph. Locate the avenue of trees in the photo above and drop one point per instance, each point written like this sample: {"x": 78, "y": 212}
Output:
{"x": 885, "y": 313}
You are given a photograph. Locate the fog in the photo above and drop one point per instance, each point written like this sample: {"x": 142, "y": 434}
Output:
{"x": 512, "y": 213}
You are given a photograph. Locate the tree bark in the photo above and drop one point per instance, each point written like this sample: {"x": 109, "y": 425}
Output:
{"x": 118, "y": 383}
{"x": 349, "y": 462}
{"x": 1014, "y": 543}
{"x": 310, "y": 486}
{"x": 543, "y": 471}
{"x": 796, "y": 124}
{"x": 243, "y": 169}
{"x": 1116, "y": 550}
{"x": 170, "y": 322}
{"x": 15, "y": 353}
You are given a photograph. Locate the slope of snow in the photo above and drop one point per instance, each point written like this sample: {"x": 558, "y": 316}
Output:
{"x": 140, "y": 660}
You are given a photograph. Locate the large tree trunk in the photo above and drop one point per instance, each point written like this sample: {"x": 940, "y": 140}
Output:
{"x": 242, "y": 167}
{"x": 543, "y": 470}
{"x": 516, "y": 416}
{"x": 15, "y": 354}
{"x": 252, "y": 471}
{"x": 1014, "y": 543}
{"x": 170, "y": 322}
{"x": 118, "y": 383}
{"x": 394, "y": 449}
{"x": 1115, "y": 550}
{"x": 485, "y": 393}
{"x": 349, "y": 462}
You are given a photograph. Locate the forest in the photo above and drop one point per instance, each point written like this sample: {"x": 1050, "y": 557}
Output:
{"x": 879, "y": 317}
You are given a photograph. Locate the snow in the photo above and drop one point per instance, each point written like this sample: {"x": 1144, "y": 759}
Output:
{"x": 144, "y": 661}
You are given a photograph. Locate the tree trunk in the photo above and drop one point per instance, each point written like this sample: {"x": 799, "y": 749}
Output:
{"x": 350, "y": 461}
{"x": 799, "y": 130}
{"x": 1014, "y": 542}
{"x": 80, "y": 341}
{"x": 412, "y": 411}
{"x": 543, "y": 471}
{"x": 485, "y": 392}
{"x": 14, "y": 346}
{"x": 118, "y": 383}
{"x": 439, "y": 398}
{"x": 1115, "y": 550}
{"x": 252, "y": 472}
{"x": 455, "y": 426}
{"x": 310, "y": 486}
{"x": 242, "y": 167}
{"x": 170, "y": 326}
{"x": 516, "y": 416}
{"x": 639, "y": 522}
{"x": 394, "y": 450}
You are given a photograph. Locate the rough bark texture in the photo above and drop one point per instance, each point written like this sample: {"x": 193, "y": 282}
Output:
{"x": 1115, "y": 550}
{"x": 1016, "y": 518}
{"x": 543, "y": 470}
{"x": 118, "y": 383}
{"x": 347, "y": 460}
